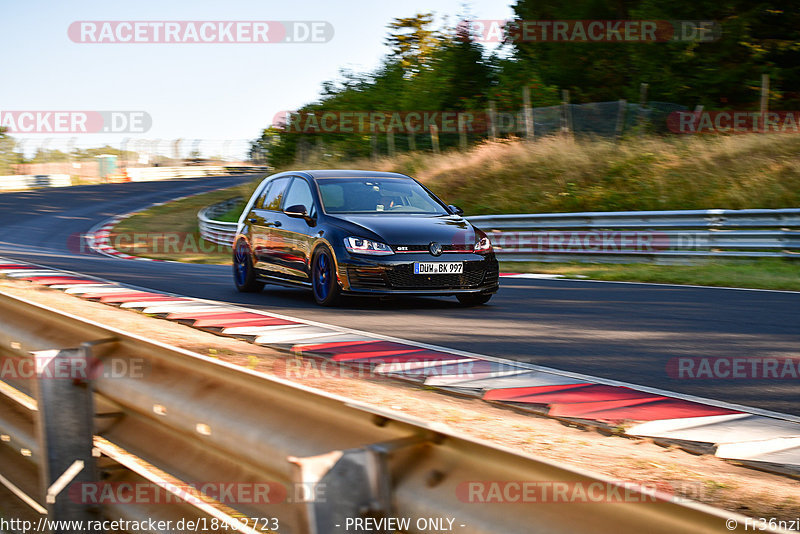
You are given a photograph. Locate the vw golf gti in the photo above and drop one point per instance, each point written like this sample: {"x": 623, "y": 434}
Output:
{"x": 340, "y": 232}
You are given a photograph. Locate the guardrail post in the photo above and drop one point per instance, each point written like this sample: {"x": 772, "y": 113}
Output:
{"x": 345, "y": 487}
{"x": 65, "y": 430}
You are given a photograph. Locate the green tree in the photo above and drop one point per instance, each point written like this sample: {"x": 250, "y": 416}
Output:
{"x": 8, "y": 156}
{"x": 756, "y": 38}
{"x": 412, "y": 41}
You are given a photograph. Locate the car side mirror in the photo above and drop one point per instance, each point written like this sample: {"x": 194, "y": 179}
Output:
{"x": 455, "y": 209}
{"x": 298, "y": 211}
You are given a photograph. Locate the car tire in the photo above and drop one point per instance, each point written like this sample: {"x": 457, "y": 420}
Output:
{"x": 474, "y": 299}
{"x": 244, "y": 274}
{"x": 324, "y": 281}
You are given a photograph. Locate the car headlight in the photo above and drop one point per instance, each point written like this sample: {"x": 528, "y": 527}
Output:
{"x": 482, "y": 245}
{"x": 358, "y": 245}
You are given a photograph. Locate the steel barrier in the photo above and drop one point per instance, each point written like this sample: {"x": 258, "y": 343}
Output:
{"x": 215, "y": 231}
{"x": 147, "y": 174}
{"x": 111, "y": 409}
{"x": 621, "y": 237}
{"x": 32, "y": 181}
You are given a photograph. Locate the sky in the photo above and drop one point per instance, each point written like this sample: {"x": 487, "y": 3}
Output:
{"x": 215, "y": 91}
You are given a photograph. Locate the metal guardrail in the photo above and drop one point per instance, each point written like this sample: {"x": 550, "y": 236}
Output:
{"x": 214, "y": 231}
{"x": 645, "y": 236}
{"x": 632, "y": 236}
{"x": 183, "y": 419}
{"x": 146, "y": 174}
{"x": 32, "y": 181}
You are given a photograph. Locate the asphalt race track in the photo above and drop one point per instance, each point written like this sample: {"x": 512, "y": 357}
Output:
{"x": 626, "y": 332}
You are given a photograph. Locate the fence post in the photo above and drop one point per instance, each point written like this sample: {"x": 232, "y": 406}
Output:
{"x": 528, "y": 111}
{"x": 642, "y": 105}
{"x": 124, "y": 152}
{"x": 623, "y": 105}
{"x": 764, "y": 101}
{"x": 390, "y": 141}
{"x": 65, "y": 430}
{"x": 435, "y": 138}
{"x": 176, "y": 149}
{"x": 566, "y": 123}
{"x": 491, "y": 115}
{"x": 462, "y": 132}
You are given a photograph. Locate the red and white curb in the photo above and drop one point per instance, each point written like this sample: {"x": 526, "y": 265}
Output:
{"x": 98, "y": 238}
{"x": 761, "y": 438}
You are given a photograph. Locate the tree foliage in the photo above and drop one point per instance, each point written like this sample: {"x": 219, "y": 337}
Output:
{"x": 8, "y": 156}
{"x": 447, "y": 69}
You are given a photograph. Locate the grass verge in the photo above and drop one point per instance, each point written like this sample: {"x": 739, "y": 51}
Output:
{"x": 170, "y": 232}
{"x": 768, "y": 273}
{"x": 558, "y": 174}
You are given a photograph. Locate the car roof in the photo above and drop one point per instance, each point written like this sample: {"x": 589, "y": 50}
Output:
{"x": 348, "y": 173}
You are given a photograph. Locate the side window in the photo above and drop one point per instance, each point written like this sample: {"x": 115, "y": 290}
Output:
{"x": 274, "y": 196}
{"x": 300, "y": 193}
{"x": 260, "y": 202}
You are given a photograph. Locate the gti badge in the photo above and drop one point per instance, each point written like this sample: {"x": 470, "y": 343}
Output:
{"x": 435, "y": 248}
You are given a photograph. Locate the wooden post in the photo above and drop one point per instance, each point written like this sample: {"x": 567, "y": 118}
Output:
{"x": 566, "y": 126}
{"x": 623, "y": 107}
{"x": 390, "y": 141}
{"x": 462, "y": 132}
{"x": 764, "y": 101}
{"x": 698, "y": 110}
{"x": 491, "y": 115}
{"x": 435, "y": 138}
{"x": 642, "y": 104}
{"x": 528, "y": 111}
{"x": 374, "y": 142}
{"x": 412, "y": 142}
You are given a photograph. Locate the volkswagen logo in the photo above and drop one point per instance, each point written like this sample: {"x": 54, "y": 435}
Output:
{"x": 435, "y": 248}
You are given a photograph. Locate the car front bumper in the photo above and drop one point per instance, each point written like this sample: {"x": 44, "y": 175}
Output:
{"x": 394, "y": 275}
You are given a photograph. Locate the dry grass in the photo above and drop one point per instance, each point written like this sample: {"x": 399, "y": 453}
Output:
{"x": 558, "y": 174}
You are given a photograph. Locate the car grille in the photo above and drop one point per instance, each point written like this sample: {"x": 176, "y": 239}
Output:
{"x": 403, "y": 277}
{"x": 366, "y": 278}
{"x": 445, "y": 248}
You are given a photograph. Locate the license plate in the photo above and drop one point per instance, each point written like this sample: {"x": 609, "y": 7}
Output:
{"x": 451, "y": 267}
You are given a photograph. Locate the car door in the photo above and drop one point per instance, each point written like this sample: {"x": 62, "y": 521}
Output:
{"x": 295, "y": 233}
{"x": 254, "y": 220}
{"x": 266, "y": 217}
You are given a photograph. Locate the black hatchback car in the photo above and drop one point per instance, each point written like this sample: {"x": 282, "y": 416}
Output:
{"x": 360, "y": 232}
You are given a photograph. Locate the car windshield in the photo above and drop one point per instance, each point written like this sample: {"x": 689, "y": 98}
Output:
{"x": 377, "y": 195}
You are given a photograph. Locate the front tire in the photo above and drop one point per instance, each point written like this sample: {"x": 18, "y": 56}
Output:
{"x": 323, "y": 279}
{"x": 244, "y": 274}
{"x": 474, "y": 299}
